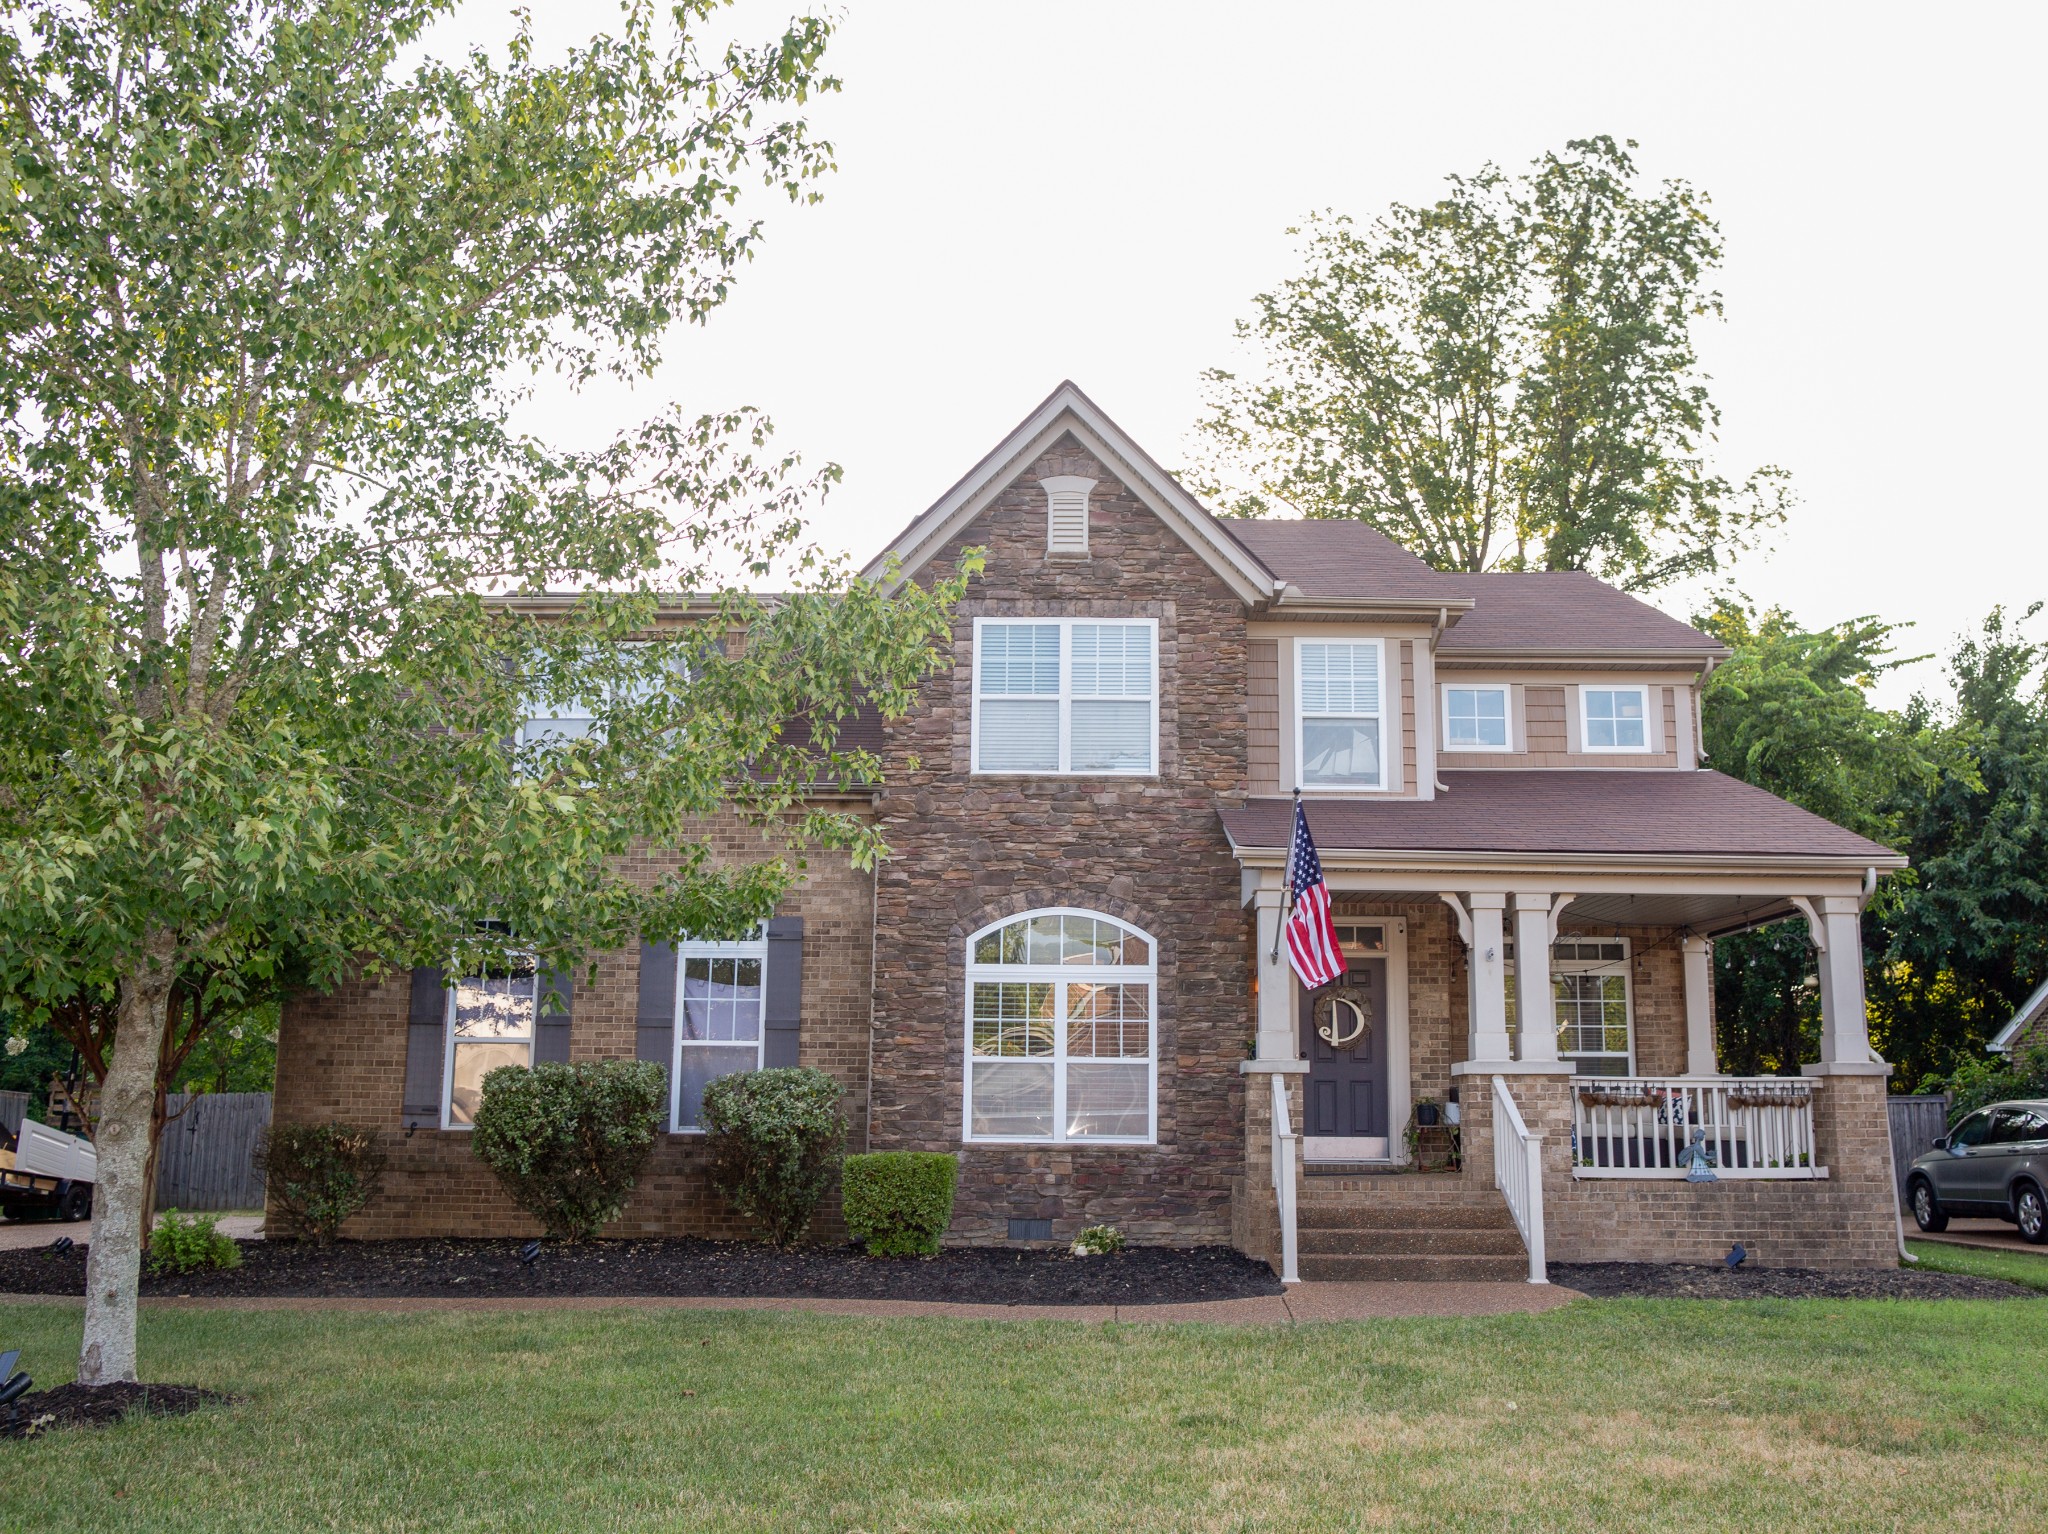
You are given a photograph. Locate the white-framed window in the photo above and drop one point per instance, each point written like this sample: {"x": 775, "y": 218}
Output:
{"x": 1615, "y": 718}
{"x": 1590, "y": 987}
{"x": 1066, "y": 695}
{"x": 1061, "y": 1030}
{"x": 1476, "y": 719}
{"x": 1340, "y": 713}
{"x": 559, "y": 718}
{"x": 491, "y": 1022}
{"x": 721, "y": 989}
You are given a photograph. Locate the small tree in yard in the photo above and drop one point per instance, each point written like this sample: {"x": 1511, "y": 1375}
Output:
{"x": 775, "y": 1137}
{"x": 568, "y": 1141}
{"x": 268, "y": 301}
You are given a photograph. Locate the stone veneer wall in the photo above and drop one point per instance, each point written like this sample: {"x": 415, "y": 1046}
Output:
{"x": 342, "y": 1057}
{"x": 972, "y": 850}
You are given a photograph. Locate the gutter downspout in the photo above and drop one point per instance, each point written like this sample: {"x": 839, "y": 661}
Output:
{"x": 874, "y": 921}
{"x": 1699, "y": 716}
{"x": 1436, "y": 634}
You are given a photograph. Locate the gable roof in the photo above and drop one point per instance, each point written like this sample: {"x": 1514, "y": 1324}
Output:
{"x": 1067, "y": 411}
{"x": 2031, "y": 1009}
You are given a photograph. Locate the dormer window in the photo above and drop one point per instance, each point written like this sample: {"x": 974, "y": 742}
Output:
{"x": 1066, "y": 513}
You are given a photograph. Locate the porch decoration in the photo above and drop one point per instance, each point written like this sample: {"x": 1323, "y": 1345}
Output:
{"x": 1770, "y": 1094}
{"x": 1699, "y": 1161}
{"x": 1633, "y": 1095}
{"x": 1343, "y": 1018}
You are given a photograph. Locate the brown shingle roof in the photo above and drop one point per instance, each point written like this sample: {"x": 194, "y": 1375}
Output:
{"x": 1338, "y": 559}
{"x": 1561, "y": 610}
{"x": 1625, "y": 812}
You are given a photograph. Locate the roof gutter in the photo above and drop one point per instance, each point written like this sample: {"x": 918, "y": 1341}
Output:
{"x": 1652, "y": 656}
{"x": 1413, "y": 860}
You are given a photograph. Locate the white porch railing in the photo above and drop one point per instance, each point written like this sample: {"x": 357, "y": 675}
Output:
{"x": 1283, "y": 1181}
{"x": 1518, "y": 1170}
{"x": 1642, "y": 1126}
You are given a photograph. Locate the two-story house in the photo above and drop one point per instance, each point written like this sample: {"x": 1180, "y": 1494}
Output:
{"x": 1069, "y": 974}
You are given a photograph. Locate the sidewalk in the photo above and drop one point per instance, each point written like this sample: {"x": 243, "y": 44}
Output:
{"x": 1303, "y": 1302}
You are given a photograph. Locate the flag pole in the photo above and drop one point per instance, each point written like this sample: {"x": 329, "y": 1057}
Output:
{"x": 1287, "y": 880}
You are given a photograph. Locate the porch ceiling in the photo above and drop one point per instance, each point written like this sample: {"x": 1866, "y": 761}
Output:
{"x": 1703, "y": 914}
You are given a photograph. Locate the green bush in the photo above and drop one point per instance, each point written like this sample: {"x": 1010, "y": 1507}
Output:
{"x": 1993, "y": 1079}
{"x": 899, "y": 1203}
{"x": 320, "y": 1174}
{"x": 568, "y": 1141}
{"x": 775, "y": 1137}
{"x": 184, "y": 1243}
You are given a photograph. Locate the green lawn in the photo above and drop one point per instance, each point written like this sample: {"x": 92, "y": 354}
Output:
{"x": 2029, "y": 1268}
{"x": 1802, "y": 1415}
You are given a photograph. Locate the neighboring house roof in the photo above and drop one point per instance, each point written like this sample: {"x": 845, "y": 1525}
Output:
{"x": 2029, "y": 1013}
{"x": 1602, "y": 813}
{"x": 1563, "y": 612}
{"x": 1067, "y": 411}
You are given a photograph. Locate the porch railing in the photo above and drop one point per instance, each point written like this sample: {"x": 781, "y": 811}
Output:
{"x": 1642, "y": 1126}
{"x": 1283, "y": 1180}
{"x": 1518, "y": 1170}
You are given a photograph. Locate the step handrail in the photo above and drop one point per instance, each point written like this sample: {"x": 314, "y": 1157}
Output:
{"x": 1518, "y": 1170}
{"x": 1283, "y": 1181}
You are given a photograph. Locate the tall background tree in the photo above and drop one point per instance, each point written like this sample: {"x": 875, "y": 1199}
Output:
{"x": 267, "y": 303}
{"x": 1503, "y": 379}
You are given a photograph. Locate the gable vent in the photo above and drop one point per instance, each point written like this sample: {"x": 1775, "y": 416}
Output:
{"x": 1066, "y": 513}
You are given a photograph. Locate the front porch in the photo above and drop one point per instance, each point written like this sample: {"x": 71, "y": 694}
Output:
{"x": 1582, "y": 1127}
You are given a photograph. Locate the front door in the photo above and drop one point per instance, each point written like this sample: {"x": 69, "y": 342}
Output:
{"x": 1344, "y": 1036}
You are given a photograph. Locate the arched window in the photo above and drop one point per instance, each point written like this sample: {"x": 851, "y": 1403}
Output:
{"x": 1061, "y": 1030}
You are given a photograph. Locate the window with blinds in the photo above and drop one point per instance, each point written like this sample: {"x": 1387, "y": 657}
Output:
{"x": 1341, "y": 713}
{"x": 1066, "y": 695}
{"x": 1066, "y": 513}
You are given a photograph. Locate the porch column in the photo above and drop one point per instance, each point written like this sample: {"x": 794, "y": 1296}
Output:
{"x": 1535, "y": 1007}
{"x": 1487, "y": 970}
{"x": 1698, "y": 961}
{"x": 1835, "y": 925}
{"x": 1279, "y": 1037}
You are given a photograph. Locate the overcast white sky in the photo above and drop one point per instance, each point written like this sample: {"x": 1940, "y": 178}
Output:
{"x": 1030, "y": 192}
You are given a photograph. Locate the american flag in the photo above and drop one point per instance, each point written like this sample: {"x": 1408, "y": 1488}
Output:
{"x": 1311, "y": 935}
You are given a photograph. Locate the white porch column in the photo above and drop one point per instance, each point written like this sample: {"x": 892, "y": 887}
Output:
{"x": 1279, "y": 1036}
{"x": 1844, "y": 1021}
{"x": 1535, "y": 1007}
{"x": 1698, "y": 961}
{"x": 1487, "y": 969}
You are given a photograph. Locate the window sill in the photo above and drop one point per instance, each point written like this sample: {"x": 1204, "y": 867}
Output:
{"x": 1148, "y": 776}
{"x": 1107, "y": 1141}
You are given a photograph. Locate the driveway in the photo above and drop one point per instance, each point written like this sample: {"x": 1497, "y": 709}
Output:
{"x": 15, "y": 1234}
{"x": 1994, "y": 1235}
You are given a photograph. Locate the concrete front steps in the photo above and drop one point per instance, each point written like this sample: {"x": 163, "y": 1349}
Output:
{"x": 1350, "y": 1233}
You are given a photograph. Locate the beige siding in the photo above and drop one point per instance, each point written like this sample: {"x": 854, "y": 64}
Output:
{"x": 1262, "y": 716}
{"x": 1543, "y": 713}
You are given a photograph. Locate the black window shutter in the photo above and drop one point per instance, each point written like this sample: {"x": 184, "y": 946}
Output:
{"x": 557, "y": 989}
{"x": 655, "y": 1020}
{"x": 426, "y": 1043}
{"x": 782, "y": 1002}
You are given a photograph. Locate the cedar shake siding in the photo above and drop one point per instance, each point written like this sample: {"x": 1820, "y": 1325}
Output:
{"x": 342, "y": 1057}
{"x": 969, "y": 850}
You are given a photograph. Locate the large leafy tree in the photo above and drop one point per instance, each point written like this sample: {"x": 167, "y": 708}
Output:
{"x": 1503, "y": 379}
{"x": 268, "y": 300}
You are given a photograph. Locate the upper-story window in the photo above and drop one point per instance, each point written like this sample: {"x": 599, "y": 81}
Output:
{"x": 553, "y": 716}
{"x": 1475, "y": 719}
{"x": 1616, "y": 718}
{"x": 1067, "y": 695}
{"x": 1341, "y": 713}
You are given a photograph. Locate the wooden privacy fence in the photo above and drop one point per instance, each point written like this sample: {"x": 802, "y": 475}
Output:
{"x": 13, "y": 1109}
{"x": 208, "y": 1156}
{"x": 1915, "y": 1123}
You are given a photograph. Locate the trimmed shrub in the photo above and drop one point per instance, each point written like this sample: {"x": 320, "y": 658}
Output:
{"x": 899, "y": 1203}
{"x": 320, "y": 1174}
{"x": 775, "y": 1136}
{"x": 568, "y": 1141}
{"x": 184, "y": 1243}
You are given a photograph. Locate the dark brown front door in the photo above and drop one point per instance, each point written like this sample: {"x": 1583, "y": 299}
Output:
{"x": 1344, "y": 1035}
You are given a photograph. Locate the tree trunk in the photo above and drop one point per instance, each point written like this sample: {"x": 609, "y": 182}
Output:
{"x": 127, "y": 1106}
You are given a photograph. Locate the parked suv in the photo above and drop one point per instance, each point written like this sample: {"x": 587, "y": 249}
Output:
{"x": 1994, "y": 1164}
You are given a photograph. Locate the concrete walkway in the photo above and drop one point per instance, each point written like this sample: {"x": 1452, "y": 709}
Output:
{"x": 1304, "y": 1302}
{"x": 17, "y": 1234}
{"x": 1993, "y": 1235}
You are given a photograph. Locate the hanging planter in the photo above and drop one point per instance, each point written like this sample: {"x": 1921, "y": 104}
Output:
{"x": 1621, "y": 1097}
{"x": 1792, "y": 1094}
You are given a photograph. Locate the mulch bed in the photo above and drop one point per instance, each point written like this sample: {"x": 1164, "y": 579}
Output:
{"x": 77, "y": 1405}
{"x": 1146, "y": 1275}
{"x": 1682, "y": 1281}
